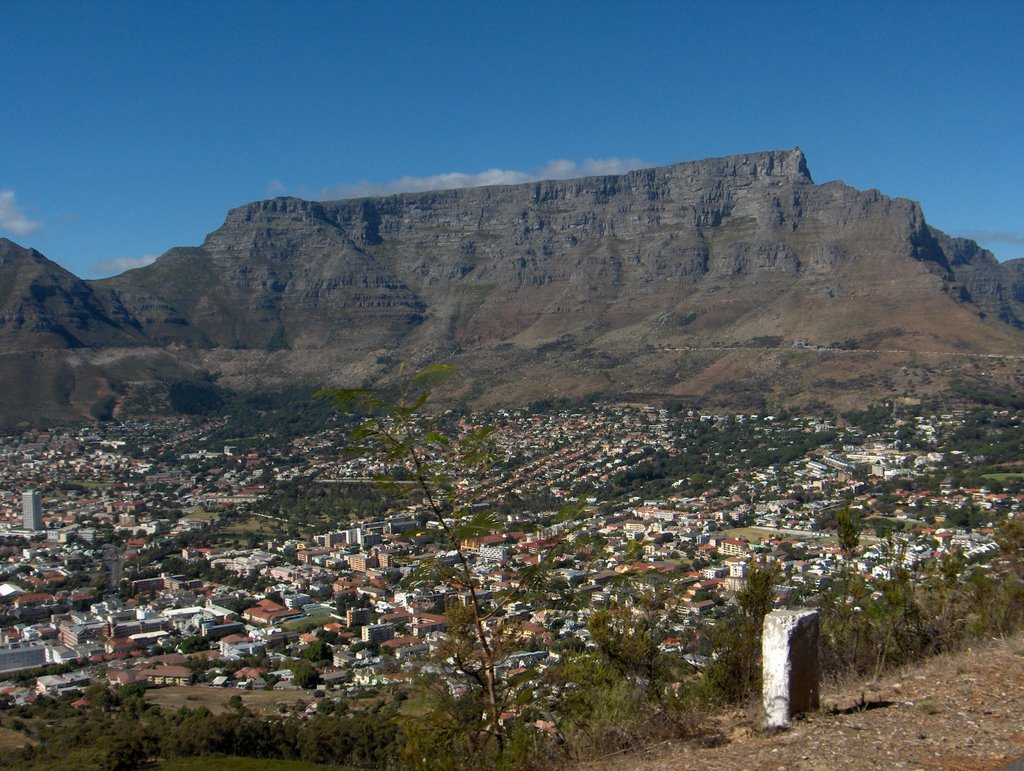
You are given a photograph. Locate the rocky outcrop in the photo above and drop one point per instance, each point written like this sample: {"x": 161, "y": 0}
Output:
{"x": 981, "y": 279}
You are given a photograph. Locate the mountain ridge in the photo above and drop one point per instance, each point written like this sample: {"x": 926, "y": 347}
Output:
{"x": 567, "y": 286}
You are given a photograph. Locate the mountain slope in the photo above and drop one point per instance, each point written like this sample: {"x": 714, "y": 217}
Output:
{"x": 44, "y": 306}
{"x": 67, "y": 347}
{"x": 958, "y": 710}
{"x": 618, "y": 285}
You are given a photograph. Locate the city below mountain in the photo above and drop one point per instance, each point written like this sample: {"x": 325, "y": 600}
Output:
{"x": 731, "y": 282}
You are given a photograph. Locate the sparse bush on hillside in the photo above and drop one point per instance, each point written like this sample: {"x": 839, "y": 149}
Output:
{"x": 903, "y": 618}
{"x": 195, "y": 398}
{"x": 734, "y": 673}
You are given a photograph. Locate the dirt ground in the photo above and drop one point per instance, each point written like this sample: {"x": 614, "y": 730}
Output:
{"x": 216, "y": 699}
{"x": 962, "y": 711}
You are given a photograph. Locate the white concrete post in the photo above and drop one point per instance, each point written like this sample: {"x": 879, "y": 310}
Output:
{"x": 789, "y": 665}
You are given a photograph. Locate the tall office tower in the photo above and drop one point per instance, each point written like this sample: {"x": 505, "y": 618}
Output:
{"x": 32, "y": 509}
{"x": 112, "y": 562}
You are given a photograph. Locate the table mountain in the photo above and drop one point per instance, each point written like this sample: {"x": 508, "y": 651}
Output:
{"x": 733, "y": 281}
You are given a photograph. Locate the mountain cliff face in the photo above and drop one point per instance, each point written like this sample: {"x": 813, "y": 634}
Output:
{"x": 618, "y": 285}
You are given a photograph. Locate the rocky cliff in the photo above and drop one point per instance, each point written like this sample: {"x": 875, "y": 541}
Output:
{"x": 737, "y": 280}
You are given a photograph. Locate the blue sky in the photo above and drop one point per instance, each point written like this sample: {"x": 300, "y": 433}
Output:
{"x": 132, "y": 127}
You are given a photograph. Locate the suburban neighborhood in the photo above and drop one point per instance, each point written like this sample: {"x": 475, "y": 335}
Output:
{"x": 152, "y": 553}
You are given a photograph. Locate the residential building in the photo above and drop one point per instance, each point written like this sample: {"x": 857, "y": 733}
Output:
{"x": 32, "y": 510}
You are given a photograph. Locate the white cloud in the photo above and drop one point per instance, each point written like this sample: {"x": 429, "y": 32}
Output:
{"x": 121, "y": 264}
{"x": 557, "y": 169}
{"x": 276, "y": 187}
{"x": 1002, "y": 236}
{"x": 12, "y": 218}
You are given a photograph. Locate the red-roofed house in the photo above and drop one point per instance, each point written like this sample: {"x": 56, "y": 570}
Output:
{"x": 267, "y": 612}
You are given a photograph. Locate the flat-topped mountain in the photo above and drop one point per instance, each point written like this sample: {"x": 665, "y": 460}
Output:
{"x": 732, "y": 280}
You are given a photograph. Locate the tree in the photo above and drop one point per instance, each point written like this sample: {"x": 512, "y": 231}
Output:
{"x": 628, "y": 642}
{"x": 849, "y": 528}
{"x": 633, "y": 552}
{"x": 735, "y": 671}
{"x": 99, "y": 696}
{"x": 443, "y": 470}
{"x": 317, "y": 651}
{"x": 192, "y": 644}
{"x": 304, "y": 674}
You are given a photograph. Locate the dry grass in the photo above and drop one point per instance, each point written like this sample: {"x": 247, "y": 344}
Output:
{"x": 249, "y": 526}
{"x": 12, "y": 740}
{"x": 756, "y": 535}
{"x": 216, "y": 699}
{"x": 204, "y": 514}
